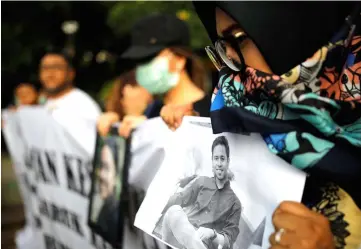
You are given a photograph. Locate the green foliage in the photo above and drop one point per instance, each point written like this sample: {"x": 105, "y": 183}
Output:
{"x": 122, "y": 16}
{"x": 105, "y": 90}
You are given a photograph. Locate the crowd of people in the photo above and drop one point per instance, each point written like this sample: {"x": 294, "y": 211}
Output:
{"x": 289, "y": 71}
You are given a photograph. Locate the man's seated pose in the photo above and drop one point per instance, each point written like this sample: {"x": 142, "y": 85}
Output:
{"x": 206, "y": 213}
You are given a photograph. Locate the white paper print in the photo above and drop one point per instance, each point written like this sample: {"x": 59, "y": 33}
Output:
{"x": 216, "y": 190}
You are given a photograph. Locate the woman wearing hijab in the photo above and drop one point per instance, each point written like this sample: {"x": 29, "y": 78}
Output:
{"x": 291, "y": 72}
{"x": 166, "y": 68}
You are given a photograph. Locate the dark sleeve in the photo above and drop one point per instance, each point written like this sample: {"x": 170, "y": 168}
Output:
{"x": 203, "y": 106}
{"x": 187, "y": 196}
{"x": 153, "y": 109}
{"x": 231, "y": 229}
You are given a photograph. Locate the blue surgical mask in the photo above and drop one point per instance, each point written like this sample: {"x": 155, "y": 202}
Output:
{"x": 155, "y": 76}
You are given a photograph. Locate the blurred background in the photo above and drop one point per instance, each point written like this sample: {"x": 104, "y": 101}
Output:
{"x": 97, "y": 33}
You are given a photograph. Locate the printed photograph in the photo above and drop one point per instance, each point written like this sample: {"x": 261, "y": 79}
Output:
{"x": 215, "y": 191}
{"x": 205, "y": 212}
{"x": 107, "y": 187}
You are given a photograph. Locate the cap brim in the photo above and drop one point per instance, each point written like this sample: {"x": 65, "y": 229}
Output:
{"x": 141, "y": 52}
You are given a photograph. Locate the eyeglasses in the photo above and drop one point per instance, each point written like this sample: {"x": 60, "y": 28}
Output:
{"x": 218, "y": 53}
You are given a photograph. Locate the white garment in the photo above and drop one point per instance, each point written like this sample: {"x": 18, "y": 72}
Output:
{"x": 77, "y": 112}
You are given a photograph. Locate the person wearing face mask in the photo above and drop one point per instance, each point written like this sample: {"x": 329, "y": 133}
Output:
{"x": 127, "y": 99}
{"x": 166, "y": 68}
{"x": 72, "y": 108}
{"x": 291, "y": 72}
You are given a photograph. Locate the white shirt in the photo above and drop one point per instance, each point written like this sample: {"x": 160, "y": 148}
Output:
{"x": 77, "y": 112}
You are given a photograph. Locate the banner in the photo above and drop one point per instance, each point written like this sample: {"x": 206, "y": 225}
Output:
{"x": 54, "y": 174}
{"x": 228, "y": 184}
{"x": 56, "y": 181}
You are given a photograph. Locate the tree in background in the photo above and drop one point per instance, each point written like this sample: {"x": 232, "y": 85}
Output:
{"x": 28, "y": 28}
{"x": 122, "y": 15}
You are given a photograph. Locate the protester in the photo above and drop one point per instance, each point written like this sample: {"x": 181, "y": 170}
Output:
{"x": 127, "y": 98}
{"x": 307, "y": 115}
{"x": 166, "y": 66}
{"x": 25, "y": 94}
{"x": 72, "y": 108}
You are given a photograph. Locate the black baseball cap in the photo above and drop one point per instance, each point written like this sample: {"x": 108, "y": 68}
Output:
{"x": 154, "y": 33}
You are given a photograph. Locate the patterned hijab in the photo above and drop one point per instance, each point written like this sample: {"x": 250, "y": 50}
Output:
{"x": 310, "y": 116}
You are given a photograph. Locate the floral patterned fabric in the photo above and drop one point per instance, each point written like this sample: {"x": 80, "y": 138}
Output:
{"x": 310, "y": 117}
{"x": 317, "y": 105}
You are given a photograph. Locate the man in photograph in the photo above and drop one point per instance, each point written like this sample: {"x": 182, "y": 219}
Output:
{"x": 206, "y": 213}
{"x": 108, "y": 176}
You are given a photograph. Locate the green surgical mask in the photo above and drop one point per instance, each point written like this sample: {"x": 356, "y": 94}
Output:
{"x": 155, "y": 76}
{"x": 41, "y": 100}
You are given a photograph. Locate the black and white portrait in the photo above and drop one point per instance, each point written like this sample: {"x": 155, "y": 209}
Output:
{"x": 215, "y": 191}
{"x": 205, "y": 213}
{"x": 107, "y": 187}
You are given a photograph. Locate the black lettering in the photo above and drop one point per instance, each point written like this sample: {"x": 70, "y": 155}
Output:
{"x": 63, "y": 217}
{"x": 81, "y": 180}
{"x": 52, "y": 243}
{"x": 43, "y": 208}
{"x": 50, "y": 159}
{"x": 49, "y": 242}
{"x": 76, "y": 225}
{"x": 69, "y": 173}
{"x": 33, "y": 190}
{"x": 41, "y": 172}
{"x": 28, "y": 185}
{"x": 73, "y": 167}
{"x": 37, "y": 221}
{"x": 29, "y": 158}
{"x": 54, "y": 213}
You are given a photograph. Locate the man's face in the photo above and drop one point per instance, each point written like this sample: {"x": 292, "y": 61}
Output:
{"x": 26, "y": 94}
{"x": 54, "y": 71}
{"x": 107, "y": 172}
{"x": 220, "y": 162}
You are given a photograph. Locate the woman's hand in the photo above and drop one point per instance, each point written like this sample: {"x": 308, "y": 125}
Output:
{"x": 105, "y": 121}
{"x": 173, "y": 115}
{"x": 302, "y": 228}
{"x": 129, "y": 123}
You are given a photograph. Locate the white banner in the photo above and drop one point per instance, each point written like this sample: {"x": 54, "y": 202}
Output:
{"x": 54, "y": 174}
{"x": 185, "y": 194}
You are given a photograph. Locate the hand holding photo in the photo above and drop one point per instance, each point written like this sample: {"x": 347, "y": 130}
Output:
{"x": 216, "y": 191}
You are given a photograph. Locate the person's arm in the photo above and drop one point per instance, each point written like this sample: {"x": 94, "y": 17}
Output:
{"x": 187, "y": 196}
{"x": 230, "y": 232}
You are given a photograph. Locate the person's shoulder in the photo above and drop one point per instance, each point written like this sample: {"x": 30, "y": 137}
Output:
{"x": 204, "y": 179}
{"x": 82, "y": 96}
{"x": 200, "y": 181}
{"x": 84, "y": 101}
{"x": 236, "y": 202}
